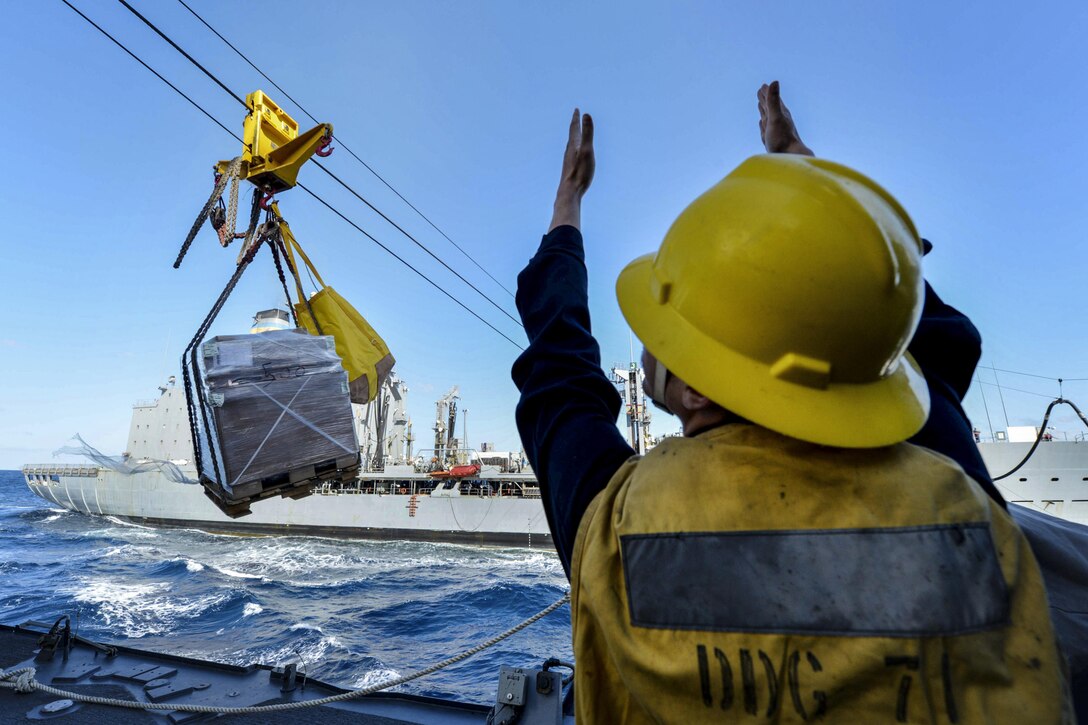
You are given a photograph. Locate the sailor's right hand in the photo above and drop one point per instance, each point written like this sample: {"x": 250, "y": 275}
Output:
{"x": 579, "y": 164}
{"x": 776, "y": 127}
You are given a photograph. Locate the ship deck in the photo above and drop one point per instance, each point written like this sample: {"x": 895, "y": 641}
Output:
{"x": 129, "y": 674}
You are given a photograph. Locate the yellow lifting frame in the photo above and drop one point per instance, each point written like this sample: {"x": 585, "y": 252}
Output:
{"x": 273, "y": 151}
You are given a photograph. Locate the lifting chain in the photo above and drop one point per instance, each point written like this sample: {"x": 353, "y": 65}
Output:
{"x": 232, "y": 172}
{"x": 224, "y": 217}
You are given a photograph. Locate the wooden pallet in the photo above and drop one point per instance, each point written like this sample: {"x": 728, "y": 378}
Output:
{"x": 295, "y": 483}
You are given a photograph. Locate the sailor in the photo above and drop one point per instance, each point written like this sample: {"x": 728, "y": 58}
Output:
{"x": 947, "y": 347}
{"x": 790, "y": 557}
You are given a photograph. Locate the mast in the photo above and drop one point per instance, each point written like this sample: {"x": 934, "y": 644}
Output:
{"x": 629, "y": 381}
{"x": 445, "y": 416}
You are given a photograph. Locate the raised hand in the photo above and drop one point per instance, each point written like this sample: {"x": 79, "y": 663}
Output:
{"x": 578, "y": 167}
{"x": 776, "y": 127}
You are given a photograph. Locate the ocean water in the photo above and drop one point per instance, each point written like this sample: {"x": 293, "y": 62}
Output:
{"x": 352, "y": 612}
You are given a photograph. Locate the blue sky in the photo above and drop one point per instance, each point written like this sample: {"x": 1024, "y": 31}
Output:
{"x": 971, "y": 113}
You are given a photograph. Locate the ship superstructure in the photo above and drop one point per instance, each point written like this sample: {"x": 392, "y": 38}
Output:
{"x": 628, "y": 381}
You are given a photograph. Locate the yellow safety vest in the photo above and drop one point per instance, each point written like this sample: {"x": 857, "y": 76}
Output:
{"x": 742, "y": 576}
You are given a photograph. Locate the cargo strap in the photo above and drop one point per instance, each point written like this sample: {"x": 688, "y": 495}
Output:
{"x": 278, "y": 250}
{"x": 22, "y": 680}
{"x": 289, "y": 245}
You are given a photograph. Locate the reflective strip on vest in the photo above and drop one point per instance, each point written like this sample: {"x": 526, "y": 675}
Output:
{"x": 916, "y": 581}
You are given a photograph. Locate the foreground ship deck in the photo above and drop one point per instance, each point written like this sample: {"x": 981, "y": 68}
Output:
{"x": 76, "y": 665}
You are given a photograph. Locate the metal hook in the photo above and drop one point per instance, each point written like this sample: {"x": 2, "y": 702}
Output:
{"x": 325, "y": 148}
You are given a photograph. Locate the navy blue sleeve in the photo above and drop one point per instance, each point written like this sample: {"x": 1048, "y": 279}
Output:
{"x": 947, "y": 346}
{"x": 568, "y": 408}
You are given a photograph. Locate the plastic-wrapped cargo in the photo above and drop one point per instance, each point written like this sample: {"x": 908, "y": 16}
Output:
{"x": 278, "y": 416}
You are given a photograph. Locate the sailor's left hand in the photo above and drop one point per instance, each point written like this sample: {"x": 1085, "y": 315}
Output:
{"x": 777, "y": 130}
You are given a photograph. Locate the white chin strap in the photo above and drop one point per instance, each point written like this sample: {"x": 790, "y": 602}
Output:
{"x": 657, "y": 388}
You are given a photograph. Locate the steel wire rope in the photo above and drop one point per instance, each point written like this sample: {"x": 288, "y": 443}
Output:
{"x": 1028, "y": 375}
{"x": 179, "y": 49}
{"x": 1034, "y": 375}
{"x": 415, "y": 241}
{"x": 304, "y": 188}
{"x": 343, "y": 145}
{"x": 1015, "y": 390}
{"x": 336, "y": 178}
{"x": 139, "y": 60}
{"x": 407, "y": 264}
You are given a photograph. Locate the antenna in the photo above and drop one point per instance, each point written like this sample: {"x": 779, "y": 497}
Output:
{"x": 982, "y": 392}
{"x": 1000, "y": 395}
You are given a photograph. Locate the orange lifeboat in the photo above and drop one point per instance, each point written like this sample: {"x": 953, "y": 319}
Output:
{"x": 462, "y": 471}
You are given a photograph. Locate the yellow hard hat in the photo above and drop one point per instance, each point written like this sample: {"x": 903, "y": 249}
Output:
{"x": 787, "y": 294}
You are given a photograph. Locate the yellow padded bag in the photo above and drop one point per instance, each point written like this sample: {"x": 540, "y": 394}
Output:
{"x": 363, "y": 352}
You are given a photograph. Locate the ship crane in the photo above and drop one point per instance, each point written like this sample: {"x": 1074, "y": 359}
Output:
{"x": 445, "y": 418}
{"x": 629, "y": 381}
{"x": 401, "y": 435}
{"x": 384, "y": 427}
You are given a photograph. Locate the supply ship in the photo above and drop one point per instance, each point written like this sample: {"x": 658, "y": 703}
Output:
{"x": 444, "y": 493}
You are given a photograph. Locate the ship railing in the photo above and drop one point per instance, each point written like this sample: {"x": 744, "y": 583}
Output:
{"x": 427, "y": 460}
{"x": 469, "y": 487}
{"x": 61, "y": 469}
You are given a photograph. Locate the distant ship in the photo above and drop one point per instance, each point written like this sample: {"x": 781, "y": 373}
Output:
{"x": 1054, "y": 480}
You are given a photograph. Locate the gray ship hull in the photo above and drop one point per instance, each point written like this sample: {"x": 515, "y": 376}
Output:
{"x": 152, "y": 499}
{"x": 1054, "y": 480}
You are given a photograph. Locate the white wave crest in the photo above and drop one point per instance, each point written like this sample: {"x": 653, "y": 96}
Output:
{"x": 304, "y": 626}
{"x": 138, "y": 610}
{"x": 130, "y": 524}
{"x": 375, "y": 677}
{"x": 234, "y": 574}
{"x": 251, "y": 608}
{"x": 193, "y": 566}
{"x": 117, "y": 551}
{"x": 321, "y": 563}
{"x": 308, "y": 654}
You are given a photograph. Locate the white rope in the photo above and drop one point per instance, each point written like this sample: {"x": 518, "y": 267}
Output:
{"x": 24, "y": 681}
